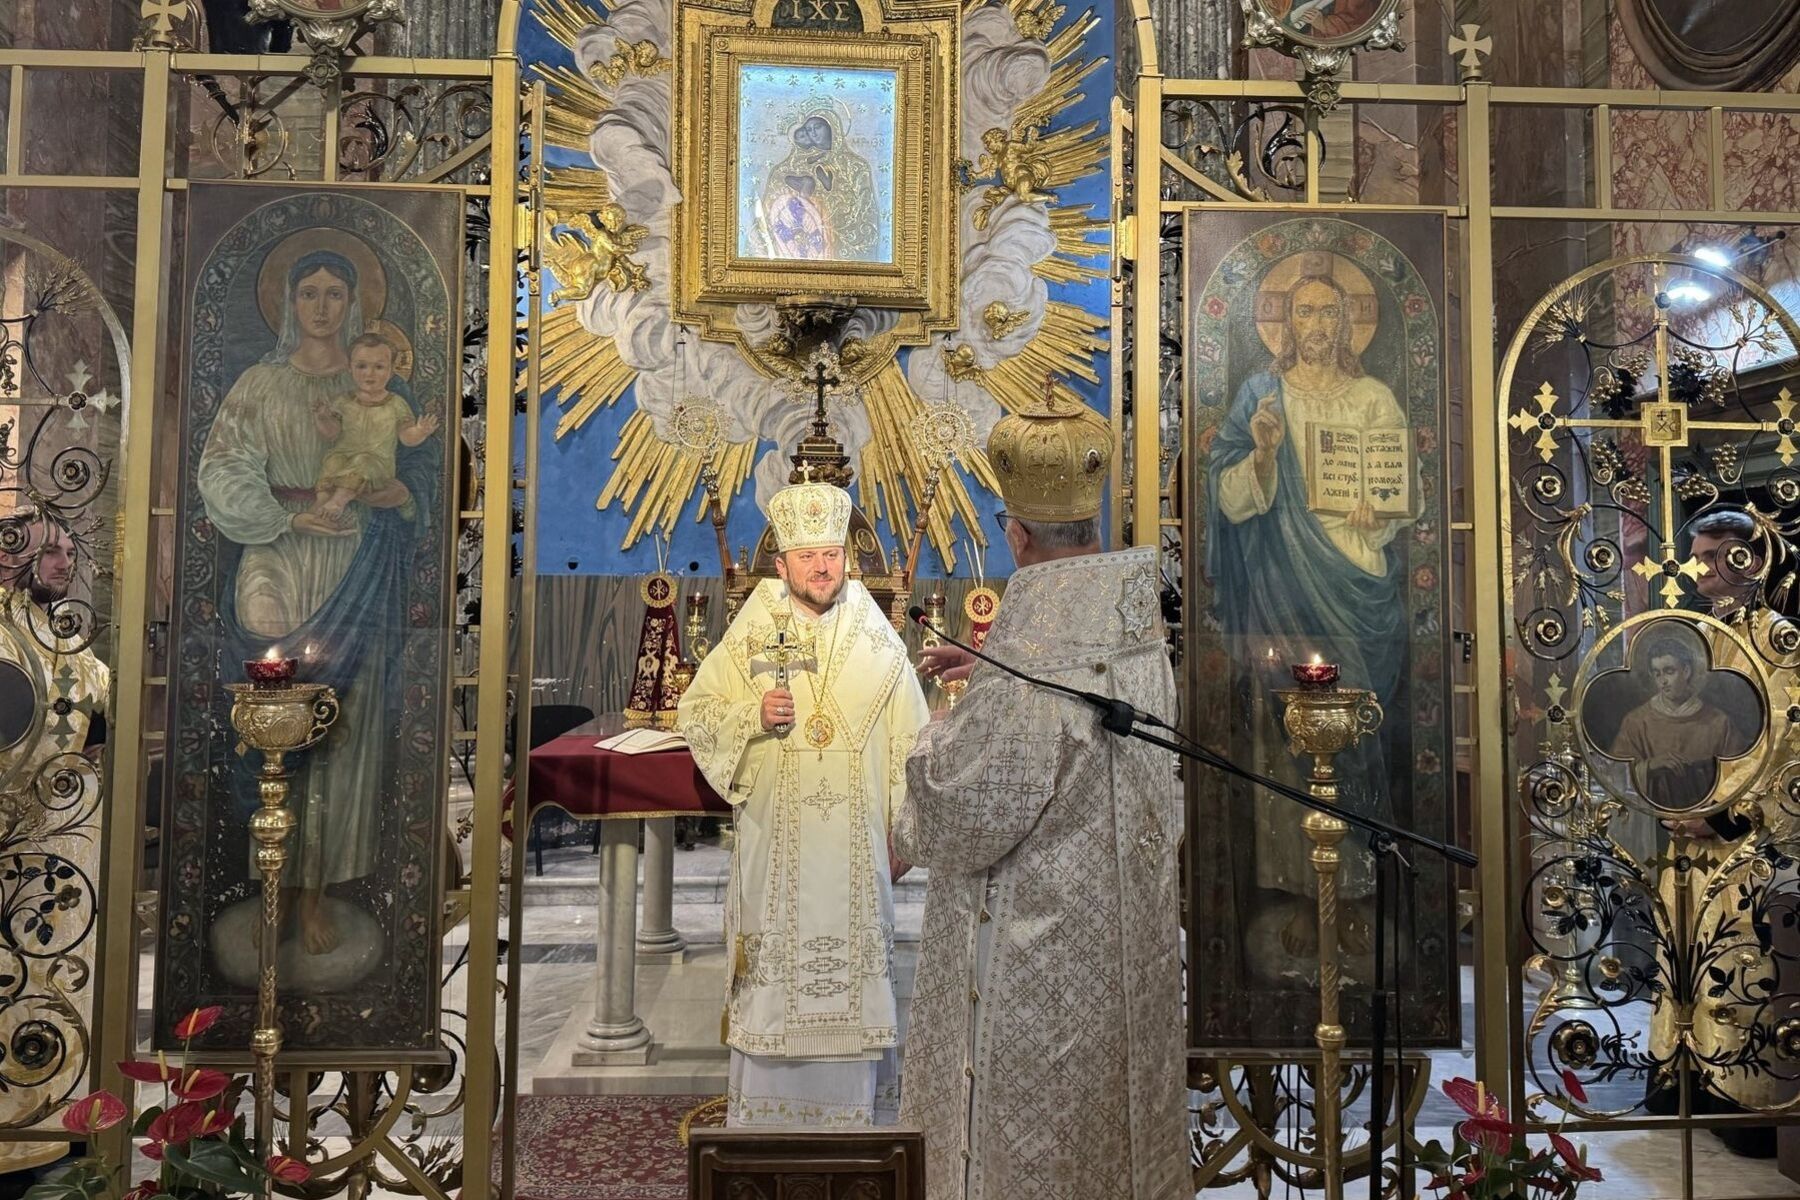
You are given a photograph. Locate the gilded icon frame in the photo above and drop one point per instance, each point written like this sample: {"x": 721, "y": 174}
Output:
{"x": 920, "y": 277}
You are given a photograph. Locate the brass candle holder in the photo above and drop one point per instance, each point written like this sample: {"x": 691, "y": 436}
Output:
{"x": 1323, "y": 720}
{"x": 277, "y": 716}
{"x": 697, "y": 643}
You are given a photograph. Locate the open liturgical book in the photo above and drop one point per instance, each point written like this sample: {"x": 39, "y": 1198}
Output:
{"x": 1347, "y": 466}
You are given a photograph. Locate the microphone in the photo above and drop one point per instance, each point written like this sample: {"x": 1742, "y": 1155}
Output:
{"x": 1116, "y": 716}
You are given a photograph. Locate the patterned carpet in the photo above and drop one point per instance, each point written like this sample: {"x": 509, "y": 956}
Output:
{"x": 605, "y": 1147}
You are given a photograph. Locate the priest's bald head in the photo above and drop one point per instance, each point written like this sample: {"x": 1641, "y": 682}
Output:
{"x": 811, "y": 523}
{"x": 1052, "y": 460}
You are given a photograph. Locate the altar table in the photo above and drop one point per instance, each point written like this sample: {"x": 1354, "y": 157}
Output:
{"x": 622, "y": 792}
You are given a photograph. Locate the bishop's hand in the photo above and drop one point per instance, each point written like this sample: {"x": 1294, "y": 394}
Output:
{"x": 777, "y": 708}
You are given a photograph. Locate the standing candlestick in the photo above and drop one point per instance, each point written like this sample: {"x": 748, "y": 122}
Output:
{"x": 697, "y": 641}
{"x": 276, "y": 716}
{"x": 1323, "y": 720}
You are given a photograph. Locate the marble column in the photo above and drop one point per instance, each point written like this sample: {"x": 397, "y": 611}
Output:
{"x": 616, "y": 1035}
{"x": 657, "y": 940}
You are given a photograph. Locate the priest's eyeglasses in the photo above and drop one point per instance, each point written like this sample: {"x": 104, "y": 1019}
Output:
{"x": 1003, "y": 519}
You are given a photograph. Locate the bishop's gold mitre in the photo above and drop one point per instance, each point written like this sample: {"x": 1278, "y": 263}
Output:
{"x": 808, "y": 515}
{"x": 1052, "y": 460}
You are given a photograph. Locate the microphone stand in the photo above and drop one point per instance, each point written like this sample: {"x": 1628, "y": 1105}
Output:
{"x": 1119, "y": 717}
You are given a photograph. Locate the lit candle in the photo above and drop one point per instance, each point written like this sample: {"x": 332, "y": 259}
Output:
{"x": 271, "y": 670}
{"x": 1316, "y": 674}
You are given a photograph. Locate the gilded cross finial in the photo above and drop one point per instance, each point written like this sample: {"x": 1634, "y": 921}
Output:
{"x": 1543, "y": 420}
{"x": 1785, "y": 426}
{"x": 1672, "y": 571}
{"x": 1472, "y": 48}
{"x": 156, "y": 29}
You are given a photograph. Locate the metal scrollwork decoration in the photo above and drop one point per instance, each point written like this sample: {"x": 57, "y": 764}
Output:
{"x": 1322, "y": 35}
{"x": 1651, "y": 583}
{"x": 59, "y": 424}
{"x": 328, "y": 30}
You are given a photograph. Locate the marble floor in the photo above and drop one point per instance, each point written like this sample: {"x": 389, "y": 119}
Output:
{"x": 558, "y": 978}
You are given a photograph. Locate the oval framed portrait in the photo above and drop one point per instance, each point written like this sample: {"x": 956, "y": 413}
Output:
{"x": 1713, "y": 45}
{"x": 1327, "y": 24}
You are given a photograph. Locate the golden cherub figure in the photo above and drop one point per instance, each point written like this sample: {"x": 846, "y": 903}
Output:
{"x": 643, "y": 58}
{"x": 598, "y": 248}
{"x": 1037, "y": 23}
{"x": 1002, "y": 320}
{"x": 1018, "y": 160}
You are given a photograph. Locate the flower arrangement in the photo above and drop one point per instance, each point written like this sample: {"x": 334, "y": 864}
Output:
{"x": 1489, "y": 1159}
{"x": 195, "y": 1135}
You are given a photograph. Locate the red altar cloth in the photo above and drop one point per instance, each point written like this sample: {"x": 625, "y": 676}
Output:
{"x": 575, "y": 775}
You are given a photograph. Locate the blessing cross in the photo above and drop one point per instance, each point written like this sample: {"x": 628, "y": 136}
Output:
{"x": 1473, "y": 48}
{"x": 783, "y": 649}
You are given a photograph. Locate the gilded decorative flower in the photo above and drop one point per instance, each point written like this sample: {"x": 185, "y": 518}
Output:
{"x": 1215, "y": 306}
{"x": 1576, "y": 1044}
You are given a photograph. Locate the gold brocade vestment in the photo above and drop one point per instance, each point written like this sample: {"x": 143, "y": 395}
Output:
{"x": 1045, "y": 1054}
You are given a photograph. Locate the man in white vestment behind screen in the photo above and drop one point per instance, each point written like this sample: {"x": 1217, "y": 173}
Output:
{"x": 815, "y": 771}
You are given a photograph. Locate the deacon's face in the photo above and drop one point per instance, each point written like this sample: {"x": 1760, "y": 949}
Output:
{"x": 45, "y": 567}
{"x": 320, "y": 302}
{"x": 1674, "y": 678}
{"x": 816, "y": 576}
{"x": 1316, "y": 315}
{"x": 1722, "y": 581}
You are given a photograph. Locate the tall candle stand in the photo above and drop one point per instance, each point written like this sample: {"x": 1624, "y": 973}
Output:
{"x": 276, "y": 715}
{"x": 1323, "y": 720}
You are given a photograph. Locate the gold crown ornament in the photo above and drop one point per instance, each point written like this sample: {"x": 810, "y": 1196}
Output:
{"x": 1052, "y": 460}
{"x": 809, "y": 515}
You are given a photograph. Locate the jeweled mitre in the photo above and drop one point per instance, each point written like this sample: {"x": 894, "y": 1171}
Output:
{"x": 1052, "y": 460}
{"x": 808, "y": 515}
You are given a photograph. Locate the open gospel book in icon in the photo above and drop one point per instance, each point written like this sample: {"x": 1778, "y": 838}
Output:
{"x": 1347, "y": 466}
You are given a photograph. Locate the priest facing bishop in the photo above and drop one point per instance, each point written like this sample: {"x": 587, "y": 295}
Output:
{"x": 814, "y": 770}
{"x": 1045, "y": 1052}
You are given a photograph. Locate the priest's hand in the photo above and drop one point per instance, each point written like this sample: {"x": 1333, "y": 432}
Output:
{"x": 948, "y": 663}
{"x": 1362, "y": 518}
{"x": 1690, "y": 829}
{"x": 777, "y": 708}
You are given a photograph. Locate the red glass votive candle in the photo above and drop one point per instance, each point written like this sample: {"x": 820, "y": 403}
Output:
{"x": 270, "y": 672}
{"x": 1315, "y": 674}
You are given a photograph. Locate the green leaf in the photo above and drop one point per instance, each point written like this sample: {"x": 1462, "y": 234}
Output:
{"x": 53, "y": 1189}
{"x": 214, "y": 1163}
{"x": 141, "y": 1126}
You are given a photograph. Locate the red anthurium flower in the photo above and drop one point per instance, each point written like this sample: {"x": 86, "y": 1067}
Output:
{"x": 152, "y": 1151}
{"x": 142, "y": 1191}
{"x": 200, "y": 1083}
{"x": 150, "y": 1072}
{"x": 288, "y": 1170}
{"x": 178, "y": 1124}
{"x": 197, "y": 1022}
{"x": 1492, "y": 1135}
{"x": 93, "y": 1112}
{"x": 1572, "y": 1085}
{"x": 1572, "y": 1160}
{"x": 216, "y": 1120}
{"x": 1473, "y": 1099}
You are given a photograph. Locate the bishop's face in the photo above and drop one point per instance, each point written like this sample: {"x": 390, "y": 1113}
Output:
{"x": 814, "y": 576}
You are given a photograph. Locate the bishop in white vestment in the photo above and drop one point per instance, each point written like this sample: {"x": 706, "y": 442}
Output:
{"x": 814, "y": 771}
{"x": 1045, "y": 1053}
